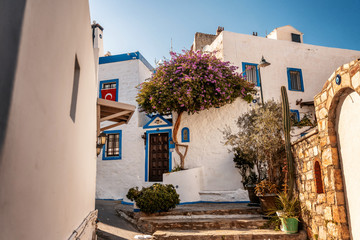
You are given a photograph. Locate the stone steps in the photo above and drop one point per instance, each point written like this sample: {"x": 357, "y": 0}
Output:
{"x": 200, "y": 222}
{"x": 238, "y": 234}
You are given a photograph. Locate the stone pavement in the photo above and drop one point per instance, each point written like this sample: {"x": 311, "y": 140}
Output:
{"x": 110, "y": 225}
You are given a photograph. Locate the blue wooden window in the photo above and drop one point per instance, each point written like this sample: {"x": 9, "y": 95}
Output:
{"x": 185, "y": 135}
{"x": 295, "y": 79}
{"x": 251, "y": 73}
{"x": 294, "y": 114}
{"x": 112, "y": 147}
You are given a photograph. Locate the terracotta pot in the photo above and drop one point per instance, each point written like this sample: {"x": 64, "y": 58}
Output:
{"x": 252, "y": 196}
{"x": 267, "y": 202}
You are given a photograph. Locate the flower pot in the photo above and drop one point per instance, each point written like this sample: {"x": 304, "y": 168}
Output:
{"x": 267, "y": 202}
{"x": 289, "y": 225}
{"x": 252, "y": 196}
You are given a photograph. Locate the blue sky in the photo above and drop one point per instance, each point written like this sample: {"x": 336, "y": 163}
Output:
{"x": 149, "y": 25}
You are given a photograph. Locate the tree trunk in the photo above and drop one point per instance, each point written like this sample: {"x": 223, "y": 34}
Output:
{"x": 175, "y": 131}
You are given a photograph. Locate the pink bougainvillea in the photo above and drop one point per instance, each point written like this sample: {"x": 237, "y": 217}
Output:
{"x": 191, "y": 82}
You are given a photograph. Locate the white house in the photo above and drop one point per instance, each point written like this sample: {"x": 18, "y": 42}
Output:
{"x": 120, "y": 165}
{"x": 48, "y": 121}
{"x": 211, "y": 174}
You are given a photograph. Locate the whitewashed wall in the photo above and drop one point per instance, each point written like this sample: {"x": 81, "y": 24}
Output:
{"x": 206, "y": 146}
{"x": 48, "y": 163}
{"x": 316, "y": 62}
{"x": 115, "y": 177}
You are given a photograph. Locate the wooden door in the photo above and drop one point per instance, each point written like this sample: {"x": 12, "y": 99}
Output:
{"x": 158, "y": 156}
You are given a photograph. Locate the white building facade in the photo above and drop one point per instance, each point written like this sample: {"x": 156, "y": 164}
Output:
{"x": 211, "y": 175}
{"x": 120, "y": 165}
{"x": 48, "y": 149}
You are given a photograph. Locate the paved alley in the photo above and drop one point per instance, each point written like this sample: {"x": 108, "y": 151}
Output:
{"x": 110, "y": 225}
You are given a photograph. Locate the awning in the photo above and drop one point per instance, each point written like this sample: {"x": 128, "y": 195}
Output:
{"x": 119, "y": 113}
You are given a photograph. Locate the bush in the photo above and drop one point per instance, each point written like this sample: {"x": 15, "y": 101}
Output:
{"x": 156, "y": 198}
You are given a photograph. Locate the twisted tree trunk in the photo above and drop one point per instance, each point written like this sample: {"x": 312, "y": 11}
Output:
{"x": 177, "y": 145}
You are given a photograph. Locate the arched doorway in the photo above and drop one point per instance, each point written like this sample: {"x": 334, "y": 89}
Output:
{"x": 348, "y": 143}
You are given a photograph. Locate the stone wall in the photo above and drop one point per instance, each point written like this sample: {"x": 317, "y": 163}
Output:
{"x": 325, "y": 212}
{"x": 201, "y": 40}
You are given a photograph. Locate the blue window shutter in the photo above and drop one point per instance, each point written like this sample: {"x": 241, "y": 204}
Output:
{"x": 290, "y": 85}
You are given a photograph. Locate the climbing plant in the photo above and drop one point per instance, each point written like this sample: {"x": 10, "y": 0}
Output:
{"x": 191, "y": 82}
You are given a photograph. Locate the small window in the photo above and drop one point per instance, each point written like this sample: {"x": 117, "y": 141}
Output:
{"x": 295, "y": 37}
{"x": 109, "y": 85}
{"x": 295, "y": 79}
{"x": 318, "y": 178}
{"x": 294, "y": 115}
{"x": 112, "y": 147}
{"x": 251, "y": 73}
{"x": 185, "y": 135}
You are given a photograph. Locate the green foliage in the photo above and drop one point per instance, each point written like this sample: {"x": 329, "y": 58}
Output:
{"x": 191, "y": 82}
{"x": 177, "y": 169}
{"x": 155, "y": 198}
{"x": 287, "y": 206}
{"x": 304, "y": 122}
{"x": 259, "y": 140}
{"x": 245, "y": 167}
{"x": 133, "y": 193}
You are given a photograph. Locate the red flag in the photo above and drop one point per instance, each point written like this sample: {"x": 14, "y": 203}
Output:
{"x": 109, "y": 94}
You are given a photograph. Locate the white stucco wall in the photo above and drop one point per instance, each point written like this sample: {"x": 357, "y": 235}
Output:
{"x": 47, "y": 167}
{"x": 348, "y": 132}
{"x": 206, "y": 146}
{"x": 115, "y": 177}
{"x": 188, "y": 183}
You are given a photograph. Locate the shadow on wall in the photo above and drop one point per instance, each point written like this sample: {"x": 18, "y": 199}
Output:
{"x": 10, "y": 39}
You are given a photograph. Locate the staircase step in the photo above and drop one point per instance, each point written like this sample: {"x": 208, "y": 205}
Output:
{"x": 239, "y": 234}
{"x": 200, "y": 222}
{"x": 196, "y": 209}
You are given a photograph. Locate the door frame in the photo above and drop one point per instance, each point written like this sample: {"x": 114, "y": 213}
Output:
{"x": 169, "y": 131}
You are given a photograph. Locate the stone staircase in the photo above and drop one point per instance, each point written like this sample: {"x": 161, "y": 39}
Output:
{"x": 209, "y": 221}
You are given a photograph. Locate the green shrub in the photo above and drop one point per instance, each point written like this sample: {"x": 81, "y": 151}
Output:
{"x": 156, "y": 198}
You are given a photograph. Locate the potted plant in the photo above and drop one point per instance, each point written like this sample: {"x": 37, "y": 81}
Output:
{"x": 267, "y": 191}
{"x": 258, "y": 145}
{"x": 288, "y": 211}
{"x": 248, "y": 176}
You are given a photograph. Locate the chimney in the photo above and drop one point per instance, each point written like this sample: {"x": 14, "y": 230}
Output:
{"x": 219, "y": 30}
{"x": 97, "y": 34}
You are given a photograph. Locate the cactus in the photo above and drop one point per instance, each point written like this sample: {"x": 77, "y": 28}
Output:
{"x": 287, "y": 128}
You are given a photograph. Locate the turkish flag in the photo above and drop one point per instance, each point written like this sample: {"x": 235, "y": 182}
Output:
{"x": 109, "y": 94}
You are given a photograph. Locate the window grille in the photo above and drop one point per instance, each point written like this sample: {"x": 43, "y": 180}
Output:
{"x": 112, "y": 146}
{"x": 109, "y": 85}
{"x": 251, "y": 73}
